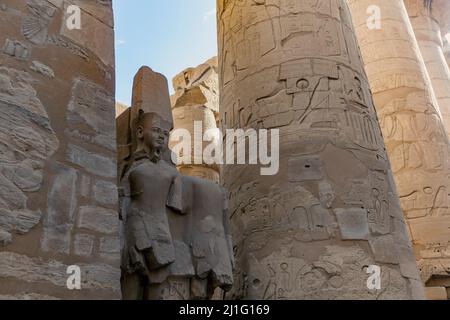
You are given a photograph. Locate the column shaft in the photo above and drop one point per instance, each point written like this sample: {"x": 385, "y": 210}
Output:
{"x": 414, "y": 134}
{"x": 309, "y": 231}
{"x": 58, "y": 192}
{"x": 196, "y": 100}
{"x": 428, "y": 34}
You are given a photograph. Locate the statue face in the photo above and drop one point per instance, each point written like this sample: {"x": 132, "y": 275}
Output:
{"x": 153, "y": 134}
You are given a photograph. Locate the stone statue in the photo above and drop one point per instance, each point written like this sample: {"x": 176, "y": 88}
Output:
{"x": 176, "y": 241}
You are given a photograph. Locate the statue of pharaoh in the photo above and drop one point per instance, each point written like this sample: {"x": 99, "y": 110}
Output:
{"x": 176, "y": 243}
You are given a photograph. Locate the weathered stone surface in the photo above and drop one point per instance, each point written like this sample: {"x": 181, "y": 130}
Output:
{"x": 5, "y": 238}
{"x": 85, "y": 186}
{"x": 295, "y": 66}
{"x": 42, "y": 69}
{"x": 93, "y": 163}
{"x": 447, "y": 49}
{"x": 98, "y": 219}
{"x": 95, "y": 127}
{"x": 84, "y": 245}
{"x": 27, "y": 141}
{"x": 429, "y": 21}
{"x": 155, "y": 100}
{"x": 94, "y": 33}
{"x": 384, "y": 250}
{"x": 410, "y": 117}
{"x": 120, "y": 108}
{"x": 60, "y": 216}
{"x": 57, "y": 134}
{"x": 16, "y": 49}
{"x": 430, "y": 268}
{"x": 124, "y": 140}
{"x": 198, "y": 86}
{"x": 353, "y": 224}
{"x": 436, "y": 293}
{"x": 338, "y": 273}
{"x": 105, "y": 192}
{"x": 100, "y": 10}
{"x": 35, "y": 270}
{"x": 28, "y": 296}
{"x": 196, "y": 99}
{"x": 19, "y": 221}
{"x": 110, "y": 247}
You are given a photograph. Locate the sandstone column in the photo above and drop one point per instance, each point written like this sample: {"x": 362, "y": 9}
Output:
{"x": 120, "y": 108}
{"x": 424, "y": 18}
{"x": 196, "y": 99}
{"x": 414, "y": 134}
{"x": 58, "y": 197}
{"x": 310, "y": 231}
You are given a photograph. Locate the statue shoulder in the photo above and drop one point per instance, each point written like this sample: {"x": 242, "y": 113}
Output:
{"x": 132, "y": 166}
{"x": 169, "y": 167}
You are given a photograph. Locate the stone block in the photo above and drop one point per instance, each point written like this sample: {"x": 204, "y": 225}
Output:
{"x": 384, "y": 249}
{"x": 39, "y": 271}
{"x": 110, "y": 247}
{"x": 93, "y": 163}
{"x": 94, "y": 34}
{"x": 436, "y": 293}
{"x": 98, "y": 219}
{"x": 353, "y": 223}
{"x": 90, "y": 118}
{"x": 105, "y": 193}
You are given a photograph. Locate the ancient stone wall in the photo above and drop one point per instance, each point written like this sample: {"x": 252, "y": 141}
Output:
{"x": 58, "y": 199}
{"x": 415, "y": 137}
{"x": 310, "y": 231}
{"x": 196, "y": 99}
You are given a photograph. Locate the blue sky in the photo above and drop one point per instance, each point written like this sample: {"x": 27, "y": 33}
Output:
{"x": 166, "y": 35}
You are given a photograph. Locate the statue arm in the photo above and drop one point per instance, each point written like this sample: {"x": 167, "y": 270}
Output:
{"x": 175, "y": 199}
{"x": 124, "y": 191}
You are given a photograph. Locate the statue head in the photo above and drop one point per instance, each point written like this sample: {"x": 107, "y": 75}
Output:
{"x": 152, "y": 134}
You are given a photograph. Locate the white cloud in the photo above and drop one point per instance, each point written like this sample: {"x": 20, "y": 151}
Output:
{"x": 120, "y": 42}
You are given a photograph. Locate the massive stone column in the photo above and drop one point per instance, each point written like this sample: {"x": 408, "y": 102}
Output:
{"x": 310, "y": 231}
{"x": 425, "y": 18}
{"x": 414, "y": 134}
{"x": 196, "y": 99}
{"x": 58, "y": 197}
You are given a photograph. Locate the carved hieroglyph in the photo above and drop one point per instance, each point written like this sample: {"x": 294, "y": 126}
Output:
{"x": 196, "y": 99}
{"x": 425, "y": 18}
{"x": 310, "y": 231}
{"x": 414, "y": 134}
{"x": 58, "y": 197}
